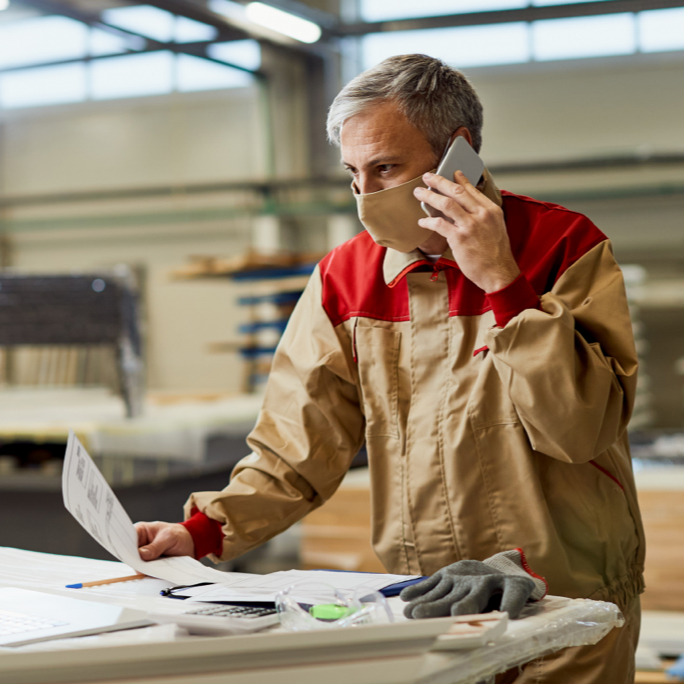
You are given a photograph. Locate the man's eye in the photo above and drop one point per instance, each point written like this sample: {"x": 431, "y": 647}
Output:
{"x": 384, "y": 168}
{"x": 350, "y": 171}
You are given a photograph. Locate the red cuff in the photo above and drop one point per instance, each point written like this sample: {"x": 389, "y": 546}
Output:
{"x": 531, "y": 572}
{"x": 512, "y": 300}
{"x": 206, "y": 533}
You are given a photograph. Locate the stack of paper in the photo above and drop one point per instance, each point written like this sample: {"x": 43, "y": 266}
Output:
{"x": 308, "y": 585}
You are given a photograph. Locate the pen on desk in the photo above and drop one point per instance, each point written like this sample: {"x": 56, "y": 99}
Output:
{"x": 81, "y": 585}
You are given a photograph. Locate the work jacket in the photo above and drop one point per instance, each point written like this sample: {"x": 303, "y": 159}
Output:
{"x": 492, "y": 421}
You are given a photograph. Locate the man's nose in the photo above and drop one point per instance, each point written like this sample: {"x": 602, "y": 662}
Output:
{"x": 366, "y": 183}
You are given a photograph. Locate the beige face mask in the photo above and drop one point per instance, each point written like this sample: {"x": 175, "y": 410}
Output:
{"x": 391, "y": 216}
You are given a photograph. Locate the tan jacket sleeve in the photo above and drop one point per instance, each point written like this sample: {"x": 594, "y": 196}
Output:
{"x": 570, "y": 368}
{"x": 308, "y": 431}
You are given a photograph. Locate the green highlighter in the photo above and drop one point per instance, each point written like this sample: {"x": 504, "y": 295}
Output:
{"x": 330, "y": 611}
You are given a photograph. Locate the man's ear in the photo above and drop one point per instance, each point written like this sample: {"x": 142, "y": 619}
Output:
{"x": 464, "y": 133}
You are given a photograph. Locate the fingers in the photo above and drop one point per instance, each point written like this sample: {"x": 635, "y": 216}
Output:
{"x": 435, "y": 602}
{"x": 468, "y": 595}
{"x": 420, "y": 588}
{"x": 154, "y": 548}
{"x": 446, "y": 205}
{"x": 160, "y": 538}
{"x": 439, "y": 224}
{"x": 438, "y": 592}
{"x": 442, "y": 589}
{"x": 460, "y": 188}
{"x": 448, "y": 195}
{"x": 441, "y": 607}
{"x": 516, "y": 593}
{"x": 144, "y": 531}
{"x": 475, "y": 602}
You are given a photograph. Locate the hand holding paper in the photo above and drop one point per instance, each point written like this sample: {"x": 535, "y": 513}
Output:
{"x": 163, "y": 539}
{"x": 89, "y": 498}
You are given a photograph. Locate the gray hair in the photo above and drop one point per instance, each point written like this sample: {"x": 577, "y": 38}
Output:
{"x": 434, "y": 97}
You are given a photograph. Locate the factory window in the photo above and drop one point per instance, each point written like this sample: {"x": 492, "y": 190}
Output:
{"x": 188, "y": 31}
{"x": 158, "y": 24}
{"x": 470, "y": 46}
{"x": 43, "y": 85}
{"x": 381, "y": 10}
{"x": 103, "y": 43}
{"x": 543, "y": 40}
{"x": 611, "y": 34}
{"x": 45, "y": 39}
{"x": 661, "y": 30}
{"x": 194, "y": 73}
{"x": 244, "y": 53}
{"x": 146, "y": 20}
{"x": 132, "y": 75}
{"x": 546, "y": 3}
{"x": 37, "y": 41}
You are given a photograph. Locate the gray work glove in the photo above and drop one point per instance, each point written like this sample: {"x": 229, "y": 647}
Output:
{"x": 502, "y": 582}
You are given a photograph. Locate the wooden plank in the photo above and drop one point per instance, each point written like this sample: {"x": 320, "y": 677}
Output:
{"x": 650, "y": 678}
{"x": 663, "y": 516}
{"x": 337, "y": 535}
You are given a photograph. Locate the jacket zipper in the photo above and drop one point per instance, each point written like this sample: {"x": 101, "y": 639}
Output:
{"x": 408, "y": 269}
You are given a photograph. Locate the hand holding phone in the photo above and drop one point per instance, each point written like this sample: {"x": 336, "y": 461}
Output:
{"x": 459, "y": 157}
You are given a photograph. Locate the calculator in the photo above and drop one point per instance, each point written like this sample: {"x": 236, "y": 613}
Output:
{"x": 215, "y": 619}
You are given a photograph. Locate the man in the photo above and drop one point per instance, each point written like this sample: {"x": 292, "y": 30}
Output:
{"x": 486, "y": 358}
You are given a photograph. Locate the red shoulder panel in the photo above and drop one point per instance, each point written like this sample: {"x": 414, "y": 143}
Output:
{"x": 546, "y": 238}
{"x": 353, "y": 283}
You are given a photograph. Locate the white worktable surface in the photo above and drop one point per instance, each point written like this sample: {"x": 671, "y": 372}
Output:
{"x": 167, "y": 654}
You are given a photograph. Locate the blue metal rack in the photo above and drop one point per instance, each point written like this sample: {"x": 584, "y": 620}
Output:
{"x": 257, "y": 356}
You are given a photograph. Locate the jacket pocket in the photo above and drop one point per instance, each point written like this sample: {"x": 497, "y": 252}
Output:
{"x": 489, "y": 402}
{"x": 378, "y": 356}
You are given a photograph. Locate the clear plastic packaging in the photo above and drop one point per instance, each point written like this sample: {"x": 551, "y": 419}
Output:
{"x": 545, "y": 627}
{"x": 308, "y": 606}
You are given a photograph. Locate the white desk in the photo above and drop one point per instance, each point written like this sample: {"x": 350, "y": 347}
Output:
{"x": 165, "y": 654}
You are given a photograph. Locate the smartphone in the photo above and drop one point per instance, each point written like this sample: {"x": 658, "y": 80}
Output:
{"x": 459, "y": 157}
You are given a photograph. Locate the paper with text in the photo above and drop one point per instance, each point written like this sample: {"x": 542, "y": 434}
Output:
{"x": 89, "y": 498}
{"x": 306, "y": 582}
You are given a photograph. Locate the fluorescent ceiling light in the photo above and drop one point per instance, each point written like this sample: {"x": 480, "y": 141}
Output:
{"x": 4, "y": 4}
{"x": 283, "y": 22}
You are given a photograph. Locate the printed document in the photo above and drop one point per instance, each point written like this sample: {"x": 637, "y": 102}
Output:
{"x": 89, "y": 498}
